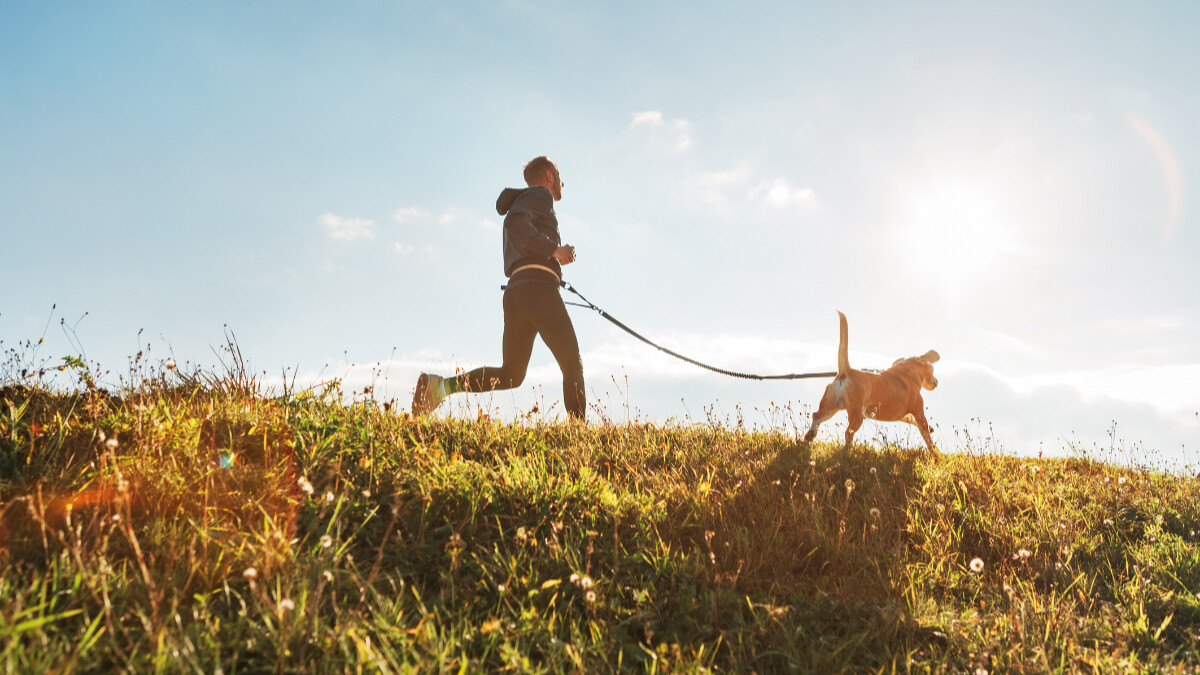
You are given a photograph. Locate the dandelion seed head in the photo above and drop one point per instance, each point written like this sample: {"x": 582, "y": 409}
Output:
{"x": 111, "y": 444}
{"x": 977, "y": 565}
{"x": 250, "y": 573}
{"x": 326, "y": 541}
{"x": 590, "y": 596}
{"x": 586, "y": 582}
{"x": 874, "y": 512}
{"x": 286, "y": 605}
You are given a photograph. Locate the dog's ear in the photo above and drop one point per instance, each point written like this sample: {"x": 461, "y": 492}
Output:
{"x": 931, "y": 356}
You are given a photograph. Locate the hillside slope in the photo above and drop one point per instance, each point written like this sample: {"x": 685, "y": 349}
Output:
{"x": 202, "y": 526}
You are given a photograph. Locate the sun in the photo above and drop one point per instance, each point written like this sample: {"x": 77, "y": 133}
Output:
{"x": 956, "y": 231}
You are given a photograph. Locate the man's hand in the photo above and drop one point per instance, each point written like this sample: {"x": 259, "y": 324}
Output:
{"x": 565, "y": 255}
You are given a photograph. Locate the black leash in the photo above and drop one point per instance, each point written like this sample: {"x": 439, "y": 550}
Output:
{"x": 627, "y": 329}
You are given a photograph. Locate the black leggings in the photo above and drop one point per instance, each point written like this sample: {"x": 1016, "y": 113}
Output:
{"x": 530, "y": 309}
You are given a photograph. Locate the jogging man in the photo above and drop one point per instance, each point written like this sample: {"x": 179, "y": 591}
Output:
{"x": 533, "y": 259}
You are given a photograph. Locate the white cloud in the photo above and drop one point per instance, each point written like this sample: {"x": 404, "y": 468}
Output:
{"x": 674, "y": 132}
{"x": 713, "y": 187}
{"x": 406, "y": 250}
{"x": 450, "y": 216}
{"x": 347, "y": 229}
{"x": 409, "y": 213}
{"x": 779, "y": 194}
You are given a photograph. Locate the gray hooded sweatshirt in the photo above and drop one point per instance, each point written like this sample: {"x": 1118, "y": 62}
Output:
{"x": 530, "y": 228}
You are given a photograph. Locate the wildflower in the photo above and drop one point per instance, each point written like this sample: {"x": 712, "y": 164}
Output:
{"x": 286, "y": 605}
{"x": 305, "y": 486}
{"x": 977, "y": 565}
{"x": 874, "y": 512}
{"x": 586, "y": 582}
{"x": 326, "y": 541}
{"x": 591, "y": 596}
{"x": 250, "y": 573}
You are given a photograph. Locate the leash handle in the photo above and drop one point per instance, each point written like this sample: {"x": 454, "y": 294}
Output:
{"x": 722, "y": 371}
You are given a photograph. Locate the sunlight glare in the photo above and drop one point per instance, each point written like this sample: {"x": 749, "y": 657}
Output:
{"x": 956, "y": 232}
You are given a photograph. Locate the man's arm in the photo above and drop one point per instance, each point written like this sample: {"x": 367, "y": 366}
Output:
{"x": 565, "y": 255}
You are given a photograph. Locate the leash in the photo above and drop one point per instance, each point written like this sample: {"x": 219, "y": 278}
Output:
{"x": 748, "y": 376}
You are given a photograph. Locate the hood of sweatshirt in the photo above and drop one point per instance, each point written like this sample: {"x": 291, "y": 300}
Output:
{"x": 506, "y": 199}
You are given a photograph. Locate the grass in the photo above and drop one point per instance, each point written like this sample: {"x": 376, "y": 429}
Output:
{"x": 196, "y": 524}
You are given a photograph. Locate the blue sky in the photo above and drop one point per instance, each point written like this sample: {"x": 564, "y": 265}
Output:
{"x": 1012, "y": 184}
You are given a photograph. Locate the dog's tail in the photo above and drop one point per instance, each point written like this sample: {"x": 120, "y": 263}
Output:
{"x": 843, "y": 346}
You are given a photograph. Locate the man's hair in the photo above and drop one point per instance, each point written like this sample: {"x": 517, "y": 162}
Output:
{"x": 536, "y": 167}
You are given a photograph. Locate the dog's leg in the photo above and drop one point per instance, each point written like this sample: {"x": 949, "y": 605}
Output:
{"x": 917, "y": 419}
{"x": 853, "y": 423}
{"x": 824, "y": 411}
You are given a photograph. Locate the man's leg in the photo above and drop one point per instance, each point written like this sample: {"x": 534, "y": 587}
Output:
{"x": 517, "y": 345}
{"x": 516, "y": 348}
{"x": 554, "y": 324}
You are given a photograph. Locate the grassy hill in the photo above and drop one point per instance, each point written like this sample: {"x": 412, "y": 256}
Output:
{"x": 195, "y": 525}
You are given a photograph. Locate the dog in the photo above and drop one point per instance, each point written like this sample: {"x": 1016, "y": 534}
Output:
{"x": 891, "y": 396}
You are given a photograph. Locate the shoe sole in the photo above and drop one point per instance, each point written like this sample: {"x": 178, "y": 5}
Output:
{"x": 419, "y": 407}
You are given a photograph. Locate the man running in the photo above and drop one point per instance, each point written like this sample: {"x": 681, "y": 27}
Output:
{"x": 533, "y": 259}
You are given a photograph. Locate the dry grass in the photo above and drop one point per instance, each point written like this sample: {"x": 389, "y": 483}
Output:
{"x": 194, "y": 524}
